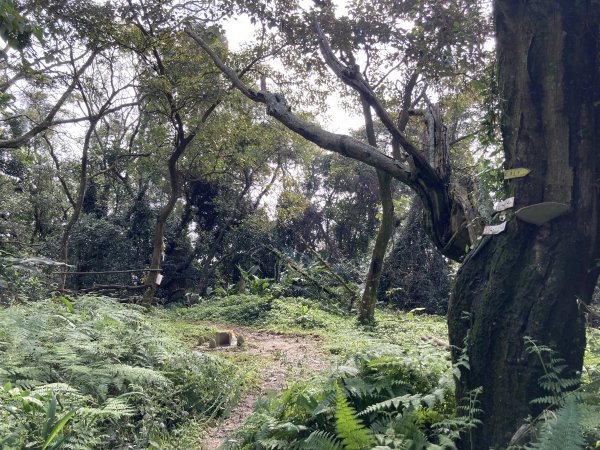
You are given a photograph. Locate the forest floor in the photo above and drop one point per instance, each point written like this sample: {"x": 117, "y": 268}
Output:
{"x": 296, "y": 350}
{"x": 287, "y": 358}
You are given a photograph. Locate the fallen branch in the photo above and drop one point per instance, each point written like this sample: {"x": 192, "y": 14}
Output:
{"x": 106, "y": 272}
{"x": 109, "y": 287}
{"x": 294, "y": 266}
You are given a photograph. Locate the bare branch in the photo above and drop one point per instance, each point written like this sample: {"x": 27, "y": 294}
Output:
{"x": 47, "y": 122}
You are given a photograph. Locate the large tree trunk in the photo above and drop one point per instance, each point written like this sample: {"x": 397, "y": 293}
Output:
{"x": 528, "y": 280}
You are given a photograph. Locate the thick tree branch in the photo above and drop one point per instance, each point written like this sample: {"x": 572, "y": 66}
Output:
{"x": 352, "y": 77}
{"x": 339, "y": 143}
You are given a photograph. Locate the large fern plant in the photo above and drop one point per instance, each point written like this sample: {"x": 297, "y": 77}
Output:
{"x": 113, "y": 376}
{"x": 571, "y": 418}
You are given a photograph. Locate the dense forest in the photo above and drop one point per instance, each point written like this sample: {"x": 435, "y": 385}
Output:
{"x": 299, "y": 225}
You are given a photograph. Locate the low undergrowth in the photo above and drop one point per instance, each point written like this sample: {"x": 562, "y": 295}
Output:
{"x": 303, "y": 315}
{"x": 382, "y": 395}
{"x": 390, "y": 386}
{"x": 287, "y": 314}
{"x": 92, "y": 373}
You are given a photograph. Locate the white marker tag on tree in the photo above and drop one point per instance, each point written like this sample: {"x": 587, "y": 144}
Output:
{"x": 158, "y": 278}
{"x": 504, "y": 204}
{"x": 494, "y": 229}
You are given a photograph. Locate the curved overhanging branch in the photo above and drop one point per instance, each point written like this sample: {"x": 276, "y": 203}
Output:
{"x": 278, "y": 108}
{"x": 352, "y": 77}
{"x": 444, "y": 215}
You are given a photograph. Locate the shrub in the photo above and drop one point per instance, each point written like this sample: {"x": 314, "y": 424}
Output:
{"x": 243, "y": 309}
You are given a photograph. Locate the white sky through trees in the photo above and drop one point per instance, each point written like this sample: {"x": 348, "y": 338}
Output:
{"x": 240, "y": 30}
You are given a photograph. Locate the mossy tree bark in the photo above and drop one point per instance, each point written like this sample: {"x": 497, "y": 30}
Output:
{"x": 529, "y": 280}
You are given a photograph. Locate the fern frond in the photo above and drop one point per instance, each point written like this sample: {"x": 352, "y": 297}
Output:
{"x": 60, "y": 389}
{"x": 139, "y": 374}
{"x": 275, "y": 434}
{"x": 405, "y": 401}
{"x": 320, "y": 440}
{"x": 349, "y": 428}
{"x": 564, "y": 432}
{"x": 113, "y": 409}
{"x": 590, "y": 417}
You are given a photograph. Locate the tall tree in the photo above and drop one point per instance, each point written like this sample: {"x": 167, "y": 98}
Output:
{"x": 176, "y": 91}
{"x": 97, "y": 106}
{"x": 529, "y": 280}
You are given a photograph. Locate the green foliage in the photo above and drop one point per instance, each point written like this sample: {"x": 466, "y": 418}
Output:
{"x": 571, "y": 418}
{"x": 320, "y": 440}
{"x": 101, "y": 362}
{"x": 488, "y": 88}
{"x": 378, "y": 396}
{"x": 46, "y": 431}
{"x": 564, "y": 431}
{"x": 25, "y": 278}
{"x": 314, "y": 279}
{"x": 388, "y": 385}
{"x": 243, "y": 309}
{"x": 14, "y": 28}
{"x": 110, "y": 243}
{"x": 299, "y": 314}
{"x": 349, "y": 428}
{"x": 291, "y": 314}
{"x": 415, "y": 274}
{"x": 554, "y": 382}
{"x": 254, "y": 284}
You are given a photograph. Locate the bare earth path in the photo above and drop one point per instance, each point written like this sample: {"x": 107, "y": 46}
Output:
{"x": 290, "y": 357}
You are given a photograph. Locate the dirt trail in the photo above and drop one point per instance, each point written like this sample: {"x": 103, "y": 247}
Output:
{"x": 290, "y": 357}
